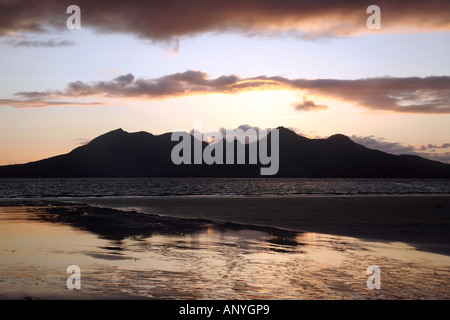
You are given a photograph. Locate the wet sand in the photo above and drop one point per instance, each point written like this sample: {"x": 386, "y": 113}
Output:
{"x": 420, "y": 221}
{"x": 131, "y": 255}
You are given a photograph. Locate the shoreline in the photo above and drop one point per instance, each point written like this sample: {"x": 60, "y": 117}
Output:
{"x": 227, "y": 196}
{"x": 420, "y": 221}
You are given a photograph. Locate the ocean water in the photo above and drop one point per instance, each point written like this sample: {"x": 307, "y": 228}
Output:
{"x": 232, "y": 187}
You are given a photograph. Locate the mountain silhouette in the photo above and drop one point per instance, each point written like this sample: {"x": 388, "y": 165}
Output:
{"x": 142, "y": 154}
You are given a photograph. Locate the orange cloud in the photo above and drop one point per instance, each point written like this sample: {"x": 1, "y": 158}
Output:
{"x": 407, "y": 95}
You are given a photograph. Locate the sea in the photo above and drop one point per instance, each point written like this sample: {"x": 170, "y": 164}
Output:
{"x": 213, "y": 187}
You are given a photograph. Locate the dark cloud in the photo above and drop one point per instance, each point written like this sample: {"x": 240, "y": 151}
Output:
{"x": 308, "y": 105}
{"x": 32, "y": 94}
{"x": 442, "y": 157}
{"x": 380, "y": 144}
{"x": 399, "y": 148}
{"x": 407, "y": 95}
{"x": 178, "y": 84}
{"x": 433, "y": 146}
{"x": 168, "y": 20}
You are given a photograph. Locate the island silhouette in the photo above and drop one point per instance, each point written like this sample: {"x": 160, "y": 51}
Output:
{"x": 141, "y": 154}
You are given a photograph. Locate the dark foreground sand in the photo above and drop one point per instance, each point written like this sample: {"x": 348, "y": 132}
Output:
{"x": 421, "y": 221}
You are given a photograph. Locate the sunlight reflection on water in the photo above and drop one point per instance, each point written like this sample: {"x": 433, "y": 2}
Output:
{"x": 211, "y": 264}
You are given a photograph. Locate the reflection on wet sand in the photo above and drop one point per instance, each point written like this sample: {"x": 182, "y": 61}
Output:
{"x": 129, "y": 254}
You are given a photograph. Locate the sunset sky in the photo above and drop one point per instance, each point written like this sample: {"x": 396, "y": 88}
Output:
{"x": 159, "y": 66}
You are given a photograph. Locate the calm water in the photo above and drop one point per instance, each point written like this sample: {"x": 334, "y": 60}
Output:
{"x": 208, "y": 264}
{"x": 104, "y": 187}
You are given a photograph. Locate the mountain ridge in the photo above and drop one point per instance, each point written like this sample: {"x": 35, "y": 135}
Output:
{"x": 119, "y": 153}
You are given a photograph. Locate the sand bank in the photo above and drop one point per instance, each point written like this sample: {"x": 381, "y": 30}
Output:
{"x": 421, "y": 221}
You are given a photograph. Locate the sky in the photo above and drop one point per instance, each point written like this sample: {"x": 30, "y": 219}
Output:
{"x": 312, "y": 66}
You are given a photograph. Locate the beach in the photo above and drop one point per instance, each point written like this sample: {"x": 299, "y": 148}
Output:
{"x": 421, "y": 221}
{"x": 226, "y": 248}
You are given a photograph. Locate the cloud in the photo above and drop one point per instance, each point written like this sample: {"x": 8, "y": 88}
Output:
{"x": 429, "y": 95}
{"x": 81, "y": 141}
{"x": 169, "y": 20}
{"x": 31, "y": 95}
{"x": 433, "y": 146}
{"x": 399, "y": 148}
{"x": 19, "y": 42}
{"x": 244, "y": 133}
{"x": 380, "y": 144}
{"x": 409, "y": 95}
{"x": 308, "y": 105}
{"x": 442, "y": 157}
{"x": 42, "y": 103}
